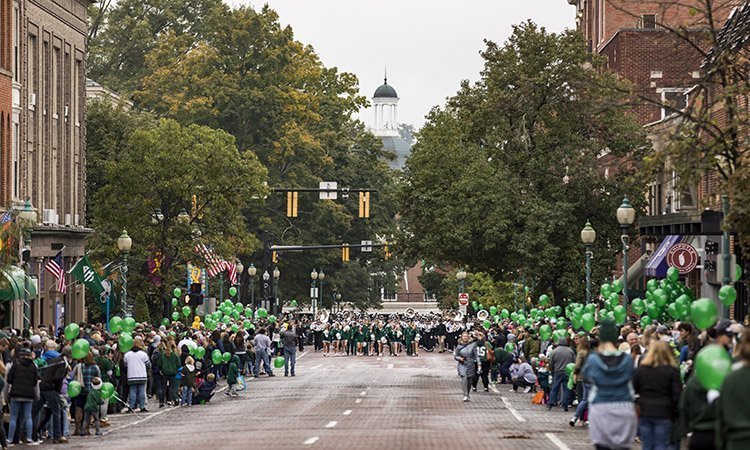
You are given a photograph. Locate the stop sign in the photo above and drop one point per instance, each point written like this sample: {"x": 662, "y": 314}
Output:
{"x": 463, "y": 299}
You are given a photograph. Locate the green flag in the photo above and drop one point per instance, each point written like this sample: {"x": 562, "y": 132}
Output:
{"x": 84, "y": 272}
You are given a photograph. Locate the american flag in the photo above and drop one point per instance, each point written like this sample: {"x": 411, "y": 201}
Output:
{"x": 55, "y": 267}
{"x": 215, "y": 265}
{"x": 232, "y": 270}
{"x": 7, "y": 217}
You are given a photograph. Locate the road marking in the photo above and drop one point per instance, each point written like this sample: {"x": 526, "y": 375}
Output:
{"x": 347, "y": 412}
{"x": 363, "y": 393}
{"x": 512, "y": 410}
{"x": 390, "y": 366}
{"x": 312, "y": 440}
{"x": 555, "y": 440}
{"x": 494, "y": 389}
{"x": 359, "y": 400}
{"x": 315, "y": 367}
{"x": 331, "y": 424}
{"x": 303, "y": 354}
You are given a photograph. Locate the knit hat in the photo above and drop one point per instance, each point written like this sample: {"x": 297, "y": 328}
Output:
{"x": 608, "y": 331}
{"x": 36, "y": 339}
{"x": 96, "y": 383}
{"x": 157, "y": 339}
{"x": 23, "y": 351}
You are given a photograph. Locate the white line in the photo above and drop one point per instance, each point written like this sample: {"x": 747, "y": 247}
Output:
{"x": 314, "y": 367}
{"x": 303, "y": 354}
{"x": 331, "y": 424}
{"x": 512, "y": 410}
{"x": 494, "y": 389}
{"x": 390, "y": 366}
{"x": 347, "y": 412}
{"x": 359, "y": 400}
{"x": 139, "y": 421}
{"x": 363, "y": 393}
{"x": 312, "y": 440}
{"x": 555, "y": 440}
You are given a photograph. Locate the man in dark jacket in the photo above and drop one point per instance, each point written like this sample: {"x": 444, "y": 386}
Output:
{"x": 289, "y": 341}
{"x": 560, "y": 357}
{"x": 52, "y": 374}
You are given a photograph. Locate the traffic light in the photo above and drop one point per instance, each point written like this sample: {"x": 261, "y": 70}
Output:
{"x": 386, "y": 252}
{"x": 275, "y": 257}
{"x": 364, "y": 205}
{"x": 291, "y": 203}
{"x": 345, "y": 253}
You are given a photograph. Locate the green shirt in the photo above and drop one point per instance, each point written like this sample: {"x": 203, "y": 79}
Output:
{"x": 93, "y": 400}
{"x": 733, "y": 412}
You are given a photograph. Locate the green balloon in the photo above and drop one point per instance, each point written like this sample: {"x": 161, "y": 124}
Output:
{"x": 545, "y": 331}
{"x": 200, "y": 352}
{"x": 704, "y": 313}
{"x": 652, "y": 285}
{"x": 617, "y": 286}
{"x": 509, "y": 347}
{"x": 646, "y": 321}
{"x": 125, "y": 342}
{"x": 551, "y": 313}
{"x": 727, "y": 295}
{"x": 177, "y": 292}
{"x": 561, "y": 324}
{"x": 246, "y": 324}
{"x": 216, "y": 357}
{"x": 504, "y": 313}
{"x": 588, "y": 321}
{"x": 165, "y": 321}
{"x": 475, "y": 304}
{"x": 637, "y": 306}
{"x": 653, "y": 310}
{"x": 544, "y": 299}
{"x": 620, "y": 314}
{"x": 673, "y": 274}
{"x": 278, "y": 362}
{"x": 115, "y": 324}
{"x": 81, "y": 348}
{"x": 107, "y": 390}
{"x": 248, "y": 312}
{"x": 226, "y": 357}
{"x": 238, "y": 307}
{"x": 185, "y": 311}
{"x": 496, "y": 318}
{"x": 262, "y": 313}
{"x": 493, "y": 310}
{"x": 71, "y": 331}
{"x": 232, "y": 291}
{"x": 712, "y": 364}
{"x": 487, "y": 324}
{"x": 569, "y": 369}
{"x": 737, "y": 272}
{"x": 661, "y": 297}
{"x": 613, "y": 300}
{"x": 128, "y": 324}
{"x": 294, "y": 303}
{"x": 672, "y": 311}
{"x": 74, "y": 389}
{"x": 174, "y": 302}
{"x": 605, "y": 290}
{"x": 271, "y": 319}
{"x": 175, "y": 316}
{"x": 589, "y": 308}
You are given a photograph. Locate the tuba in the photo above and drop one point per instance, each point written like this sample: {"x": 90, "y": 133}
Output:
{"x": 322, "y": 316}
{"x": 483, "y": 315}
{"x": 458, "y": 317}
{"x": 410, "y": 313}
{"x": 346, "y": 315}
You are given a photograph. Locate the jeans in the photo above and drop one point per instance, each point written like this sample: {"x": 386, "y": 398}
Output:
{"x": 20, "y": 411}
{"x": 584, "y": 402}
{"x": 89, "y": 416}
{"x": 521, "y": 382}
{"x": 261, "y": 356}
{"x": 52, "y": 399}
{"x": 559, "y": 381}
{"x": 137, "y": 396}
{"x": 290, "y": 358}
{"x": 187, "y": 395}
{"x": 466, "y": 382}
{"x": 655, "y": 433}
{"x": 243, "y": 362}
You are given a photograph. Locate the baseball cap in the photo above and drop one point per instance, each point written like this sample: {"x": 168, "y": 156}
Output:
{"x": 724, "y": 327}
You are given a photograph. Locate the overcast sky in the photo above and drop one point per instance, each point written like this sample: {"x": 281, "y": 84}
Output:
{"x": 428, "y": 46}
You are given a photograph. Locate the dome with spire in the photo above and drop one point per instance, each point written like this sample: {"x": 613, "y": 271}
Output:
{"x": 385, "y": 91}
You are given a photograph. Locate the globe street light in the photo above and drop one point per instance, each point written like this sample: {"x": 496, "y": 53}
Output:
{"x": 626, "y": 217}
{"x": 183, "y": 216}
{"x": 588, "y": 236}
{"x": 124, "y": 243}
{"x": 266, "y": 293}
{"x": 27, "y": 218}
{"x": 461, "y": 276}
{"x": 239, "y": 268}
{"x": 251, "y": 272}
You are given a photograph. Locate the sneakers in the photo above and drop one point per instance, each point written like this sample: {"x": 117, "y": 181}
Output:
{"x": 512, "y": 390}
{"x": 573, "y": 421}
{"x": 60, "y": 440}
{"x": 98, "y": 433}
{"x": 466, "y": 398}
{"x": 474, "y": 389}
{"x": 527, "y": 390}
{"x": 486, "y": 389}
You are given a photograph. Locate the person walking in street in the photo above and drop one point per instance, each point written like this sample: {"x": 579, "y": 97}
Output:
{"x": 169, "y": 364}
{"x": 468, "y": 360}
{"x": 93, "y": 406}
{"x": 732, "y": 412}
{"x": 582, "y": 352}
{"x": 657, "y": 386}
{"x": 137, "y": 366}
{"x": 484, "y": 349}
{"x": 262, "y": 345}
{"x": 559, "y": 359}
{"x": 289, "y": 341}
{"x": 52, "y": 378}
{"x": 233, "y": 374}
{"x": 612, "y": 419}
{"x": 22, "y": 384}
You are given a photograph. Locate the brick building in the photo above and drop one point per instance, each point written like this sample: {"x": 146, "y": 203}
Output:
{"x": 48, "y": 158}
{"x": 6, "y": 94}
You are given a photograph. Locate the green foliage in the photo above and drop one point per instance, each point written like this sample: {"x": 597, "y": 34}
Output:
{"x": 504, "y": 177}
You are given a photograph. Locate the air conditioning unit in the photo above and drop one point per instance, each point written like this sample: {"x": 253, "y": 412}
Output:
{"x": 76, "y": 221}
{"x": 50, "y": 217}
{"x": 68, "y": 220}
{"x": 32, "y": 99}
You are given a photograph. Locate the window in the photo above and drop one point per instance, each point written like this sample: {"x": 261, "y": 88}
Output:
{"x": 15, "y": 182}
{"x": 648, "y": 21}
{"x": 673, "y": 99}
{"x": 16, "y": 40}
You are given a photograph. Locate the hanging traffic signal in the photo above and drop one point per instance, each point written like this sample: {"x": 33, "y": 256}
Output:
{"x": 386, "y": 253}
{"x": 291, "y": 203}
{"x": 345, "y": 253}
{"x": 275, "y": 257}
{"x": 364, "y": 205}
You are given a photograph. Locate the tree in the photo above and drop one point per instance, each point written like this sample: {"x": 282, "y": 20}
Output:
{"x": 503, "y": 178}
{"x": 171, "y": 168}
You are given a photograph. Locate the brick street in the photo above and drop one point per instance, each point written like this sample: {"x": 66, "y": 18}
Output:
{"x": 351, "y": 403}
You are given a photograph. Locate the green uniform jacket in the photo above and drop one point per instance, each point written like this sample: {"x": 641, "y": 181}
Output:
{"x": 501, "y": 355}
{"x": 487, "y": 347}
{"x": 233, "y": 370}
{"x": 733, "y": 414}
{"x": 169, "y": 365}
{"x": 93, "y": 400}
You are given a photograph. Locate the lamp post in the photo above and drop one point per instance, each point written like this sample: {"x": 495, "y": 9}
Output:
{"x": 588, "y": 236}
{"x": 266, "y": 293}
{"x": 183, "y": 216}
{"x": 239, "y": 268}
{"x": 313, "y": 291}
{"x": 124, "y": 243}
{"x": 251, "y": 272}
{"x": 27, "y": 216}
{"x": 725, "y": 276}
{"x": 626, "y": 217}
{"x": 321, "y": 277}
{"x": 276, "y": 275}
{"x": 336, "y": 299}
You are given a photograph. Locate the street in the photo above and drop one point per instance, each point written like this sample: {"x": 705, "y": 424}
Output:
{"x": 351, "y": 402}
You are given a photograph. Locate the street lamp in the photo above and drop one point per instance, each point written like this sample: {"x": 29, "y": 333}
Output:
{"x": 157, "y": 217}
{"x": 313, "y": 291}
{"x": 588, "y": 236}
{"x": 266, "y": 294}
{"x": 251, "y": 272}
{"x": 321, "y": 277}
{"x": 239, "y": 268}
{"x": 183, "y": 216}
{"x": 461, "y": 276}
{"x": 626, "y": 217}
{"x": 27, "y": 218}
{"x": 338, "y": 300}
{"x": 276, "y": 275}
{"x": 124, "y": 243}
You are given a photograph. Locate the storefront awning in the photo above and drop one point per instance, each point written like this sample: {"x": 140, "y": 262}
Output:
{"x": 12, "y": 284}
{"x": 657, "y": 267}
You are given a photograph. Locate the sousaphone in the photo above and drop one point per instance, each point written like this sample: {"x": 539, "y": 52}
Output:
{"x": 322, "y": 316}
{"x": 483, "y": 315}
{"x": 410, "y": 313}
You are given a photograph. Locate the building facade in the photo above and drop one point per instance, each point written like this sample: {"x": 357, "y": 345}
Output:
{"x": 48, "y": 159}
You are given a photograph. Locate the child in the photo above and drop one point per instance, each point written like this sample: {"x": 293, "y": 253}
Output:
{"x": 188, "y": 381}
{"x": 205, "y": 390}
{"x": 93, "y": 406}
{"x": 232, "y": 373}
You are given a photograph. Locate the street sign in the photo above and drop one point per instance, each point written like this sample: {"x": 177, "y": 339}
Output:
{"x": 683, "y": 257}
{"x": 314, "y": 292}
{"x": 330, "y": 190}
{"x": 366, "y": 246}
{"x": 463, "y": 299}
{"x": 462, "y": 309}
